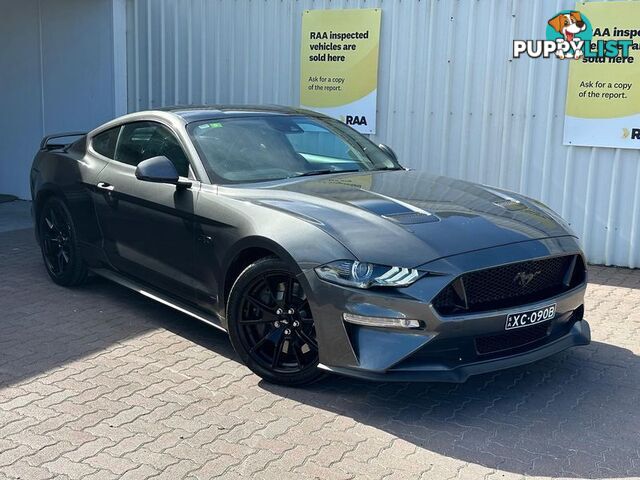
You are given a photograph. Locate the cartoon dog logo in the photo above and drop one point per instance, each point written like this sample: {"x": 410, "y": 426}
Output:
{"x": 568, "y": 25}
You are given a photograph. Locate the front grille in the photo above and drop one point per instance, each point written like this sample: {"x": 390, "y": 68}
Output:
{"x": 510, "y": 285}
{"x": 510, "y": 340}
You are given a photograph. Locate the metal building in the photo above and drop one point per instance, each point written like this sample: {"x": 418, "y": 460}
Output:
{"x": 451, "y": 100}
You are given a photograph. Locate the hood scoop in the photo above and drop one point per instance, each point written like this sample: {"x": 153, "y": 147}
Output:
{"x": 393, "y": 209}
{"x": 411, "y": 218}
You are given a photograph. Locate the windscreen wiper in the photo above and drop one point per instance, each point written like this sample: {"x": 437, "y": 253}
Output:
{"x": 323, "y": 172}
{"x": 389, "y": 168}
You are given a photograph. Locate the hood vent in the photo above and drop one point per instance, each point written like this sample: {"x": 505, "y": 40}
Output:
{"x": 411, "y": 218}
{"x": 511, "y": 205}
{"x": 506, "y": 201}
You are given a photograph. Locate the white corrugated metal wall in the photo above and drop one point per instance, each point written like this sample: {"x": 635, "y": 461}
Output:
{"x": 44, "y": 87}
{"x": 450, "y": 98}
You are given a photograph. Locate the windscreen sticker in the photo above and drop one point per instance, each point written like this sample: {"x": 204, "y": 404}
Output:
{"x": 204, "y": 126}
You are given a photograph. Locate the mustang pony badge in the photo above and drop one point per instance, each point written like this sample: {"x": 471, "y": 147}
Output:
{"x": 523, "y": 278}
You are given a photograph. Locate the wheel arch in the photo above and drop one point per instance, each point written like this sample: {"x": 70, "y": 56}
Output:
{"x": 80, "y": 205}
{"x": 248, "y": 251}
{"x": 44, "y": 193}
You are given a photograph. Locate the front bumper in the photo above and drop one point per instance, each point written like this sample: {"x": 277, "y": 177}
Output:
{"x": 579, "y": 334}
{"x": 445, "y": 349}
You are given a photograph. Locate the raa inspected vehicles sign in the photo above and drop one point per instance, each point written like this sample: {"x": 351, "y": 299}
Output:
{"x": 603, "y": 93}
{"x": 339, "y": 65}
{"x": 602, "y": 41}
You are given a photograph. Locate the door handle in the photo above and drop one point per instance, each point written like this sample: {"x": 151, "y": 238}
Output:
{"x": 106, "y": 186}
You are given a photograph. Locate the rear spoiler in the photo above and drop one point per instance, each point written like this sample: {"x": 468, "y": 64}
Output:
{"x": 46, "y": 143}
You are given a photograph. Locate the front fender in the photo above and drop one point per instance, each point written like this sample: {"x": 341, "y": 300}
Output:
{"x": 236, "y": 226}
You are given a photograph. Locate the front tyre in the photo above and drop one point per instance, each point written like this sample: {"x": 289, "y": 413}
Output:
{"x": 271, "y": 326}
{"x": 58, "y": 242}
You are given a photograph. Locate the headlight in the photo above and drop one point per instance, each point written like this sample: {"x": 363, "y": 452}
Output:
{"x": 353, "y": 273}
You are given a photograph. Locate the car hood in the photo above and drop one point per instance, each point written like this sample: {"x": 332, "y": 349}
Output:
{"x": 407, "y": 218}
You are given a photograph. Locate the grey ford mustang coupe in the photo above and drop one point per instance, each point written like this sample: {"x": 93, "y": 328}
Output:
{"x": 310, "y": 245}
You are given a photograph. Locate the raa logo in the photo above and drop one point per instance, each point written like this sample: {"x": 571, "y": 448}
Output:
{"x": 633, "y": 134}
{"x": 354, "y": 119}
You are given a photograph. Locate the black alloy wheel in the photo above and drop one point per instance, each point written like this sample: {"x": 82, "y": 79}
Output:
{"x": 58, "y": 244}
{"x": 271, "y": 325}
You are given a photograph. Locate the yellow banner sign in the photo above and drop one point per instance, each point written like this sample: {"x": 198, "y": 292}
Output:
{"x": 603, "y": 94}
{"x": 339, "y": 65}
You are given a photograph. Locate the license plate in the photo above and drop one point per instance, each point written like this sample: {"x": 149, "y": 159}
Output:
{"x": 530, "y": 317}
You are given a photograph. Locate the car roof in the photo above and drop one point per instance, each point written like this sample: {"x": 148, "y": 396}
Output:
{"x": 185, "y": 114}
{"x": 194, "y": 113}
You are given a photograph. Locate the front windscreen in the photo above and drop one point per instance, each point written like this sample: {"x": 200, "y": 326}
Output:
{"x": 271, "y": 147}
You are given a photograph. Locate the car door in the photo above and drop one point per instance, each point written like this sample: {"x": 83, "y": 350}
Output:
{"x": 147, "y": 227}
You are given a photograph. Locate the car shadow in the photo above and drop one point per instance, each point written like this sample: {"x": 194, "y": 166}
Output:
{"x": 44, "y": 326}
{"x": 572, "y": 415}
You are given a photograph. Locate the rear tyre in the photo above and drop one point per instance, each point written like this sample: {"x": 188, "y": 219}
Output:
{"x": 271, "y": 326}
{"x": 58, "y": 242}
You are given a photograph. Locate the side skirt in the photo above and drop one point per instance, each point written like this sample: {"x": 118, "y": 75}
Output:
{"x": 148, "y": 292}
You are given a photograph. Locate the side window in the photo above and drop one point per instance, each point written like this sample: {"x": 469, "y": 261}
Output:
{"x": 133, "y": 143}
{"x": 142, "y": 140}
{"x": 173, "y": 151}
{"x": 105, "y": 142}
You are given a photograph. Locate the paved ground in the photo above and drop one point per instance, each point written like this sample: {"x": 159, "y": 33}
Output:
{"x": 100, "y": 383}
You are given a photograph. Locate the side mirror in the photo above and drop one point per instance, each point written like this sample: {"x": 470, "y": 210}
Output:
{"x": 387, "y": 149}
{"x": 159, "y": 170}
